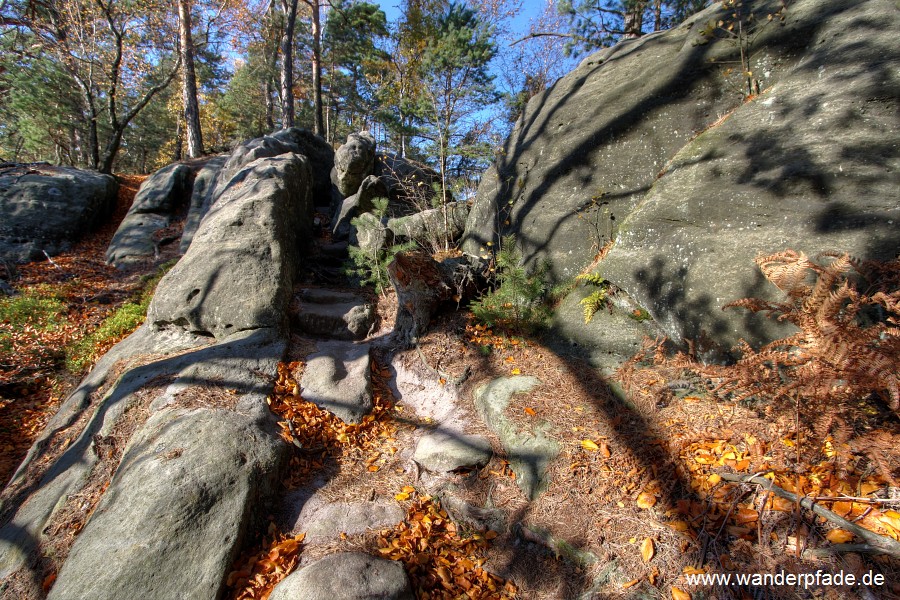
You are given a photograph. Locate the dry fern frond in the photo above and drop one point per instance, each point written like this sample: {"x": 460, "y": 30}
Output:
{"x": 848, "y": 346}
{"x": 835, "y": 356}
{"x": 786, "y": 270}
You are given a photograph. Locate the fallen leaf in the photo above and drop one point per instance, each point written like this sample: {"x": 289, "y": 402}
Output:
{"x": 516, "y": 371}
{"x": 530, "y": 411}
{"x": 678, "y": 594}
{"x": 647, "y": 549}
{"x": 631, "y": 583}
{"x": 589, "y": 445}
{"x": 679, "y": 525}
{"x": 645, "y": 500}
{"x": 838, "y": 536}
{"x": 48, "y": 582}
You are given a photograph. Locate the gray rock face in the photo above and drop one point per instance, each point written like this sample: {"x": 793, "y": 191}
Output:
{"x": 151, "y": 211}
{"x": 348, "y": 576}
{"x": 404, "y": 177}
{"x": 47, "y": 208}
{"x": 612, "y": 335}
{"x": 371, "y": 234}
{"x": 184, "y": 483}
{"x": 338, "y": 378}
{"x": 335, "y": 315}
{"x": 442, "y": 451}
{"x": 192, "y": 475}
{"x": 357, "y": 204}
{"x": 826, "y": 180}
{"x": 530, "y": 452}
{"x": 323, "y": 522}
{"x": 353, "y": 162}
{"x": 162, "y": 191}
{"x": 430, "y": 225}
{"x": 230, "y": 279}
{"x": 201, "y": 198}
{"x": 810, "y": 164}
{"x": 321, "y": 159}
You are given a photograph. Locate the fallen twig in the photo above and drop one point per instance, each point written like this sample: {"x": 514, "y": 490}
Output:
{"x": 50, "y": 260}
{"x": 878, "y": 543}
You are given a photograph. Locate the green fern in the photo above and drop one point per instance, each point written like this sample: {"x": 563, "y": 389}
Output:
{"x": 592, "y": 279}
{"x": 593, "y": 303}
{"x": 597, "y": 299}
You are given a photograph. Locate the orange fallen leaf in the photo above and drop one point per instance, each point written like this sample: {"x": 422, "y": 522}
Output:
{"x": 645, "y": 500}
{"x": 679, "y": 525}
{"x": 838, "y": 536}
{"x": 530, "y": 411}
{"x": 678, "y": 594}
{"x": 48, "y": 582}
{"x": 631, "y": 583}
{"x": 647, "y": 549}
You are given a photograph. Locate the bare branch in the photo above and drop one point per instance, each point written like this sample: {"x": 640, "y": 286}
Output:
{"x": 879, "y": 543}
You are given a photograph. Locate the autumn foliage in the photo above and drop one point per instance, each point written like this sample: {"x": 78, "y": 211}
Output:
{"x": 848, "y": 343}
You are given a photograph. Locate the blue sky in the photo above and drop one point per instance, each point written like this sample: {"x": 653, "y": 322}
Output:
{"x": 530, "y": 8}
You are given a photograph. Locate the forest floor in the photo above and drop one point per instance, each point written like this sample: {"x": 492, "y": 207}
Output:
{"x": 641, "y": 499}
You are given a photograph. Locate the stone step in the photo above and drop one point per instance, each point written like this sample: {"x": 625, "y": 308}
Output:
{"x": 338, "y": 378}
{"x": 333, "y": 255}
{"x": 333, "y": 314}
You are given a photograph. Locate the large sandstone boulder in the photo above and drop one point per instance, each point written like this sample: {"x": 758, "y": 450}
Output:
{"x": 285, "y": 141}
{"x": 689, "y": 181}
{"x": 321, "y": 159}
{"x": 201, "y": 198}
{"x": 406, "y": 178}
{"x": 231, "y": 278}
{"x": 184, "y": 484}
{"x": 153, "y": 207}
{"x": 47, "y": 208}
{"x": 353, "y": 162}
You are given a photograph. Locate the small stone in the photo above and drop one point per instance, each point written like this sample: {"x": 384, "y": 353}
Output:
{"x": 338, "y": 378}
{"x": 443, "y": 451}
{"x": 346, "y": 576}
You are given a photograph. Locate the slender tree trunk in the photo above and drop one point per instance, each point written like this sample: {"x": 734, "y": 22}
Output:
{"x": 189, "y": 82}
{"x": 179, "y": 139}
{"x": 657, "y": 16}
{"x": 270, "y": 105}
{"x": 289, "y": 7}
{"x": 93, "y": 135}
{"x": 634, "y": 20}
{"x": 319, "y": 124}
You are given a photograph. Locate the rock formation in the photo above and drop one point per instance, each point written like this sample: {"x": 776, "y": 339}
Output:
{"x": 177, "y": 411}
{"x": 688, "y": 180}
{"x": 47, "y": 208}
{"x": 152, "y": 210}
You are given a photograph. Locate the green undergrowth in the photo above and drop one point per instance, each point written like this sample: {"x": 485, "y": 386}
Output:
{"x": 39, "y": 309}
{"x": 125, "y": 319}
{"x": 520, "y": 301}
